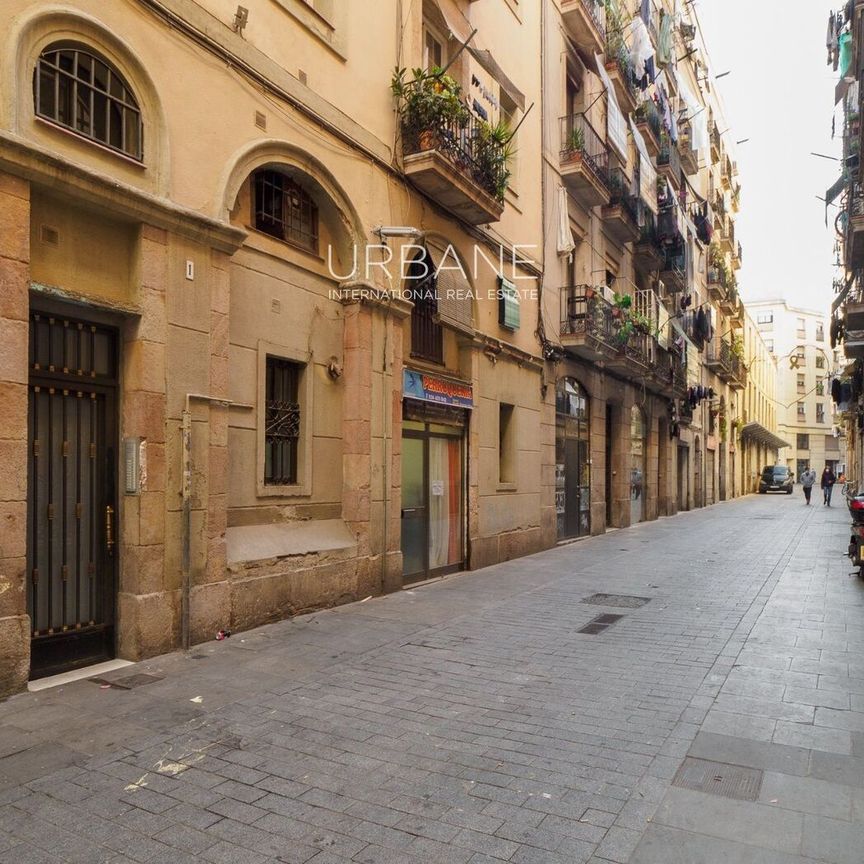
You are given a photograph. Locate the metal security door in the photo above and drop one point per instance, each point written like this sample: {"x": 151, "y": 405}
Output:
{"x": 71, "y": 527}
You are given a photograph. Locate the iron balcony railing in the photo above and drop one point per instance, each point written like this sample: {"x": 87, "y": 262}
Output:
{"x": 597, "y": 11}
{"x": 740, "y": 253}
{"x": 621, "y": 197}
{"x": 716, "y": 276}
{"x": 586, "y": 312}
{"x": 648, "y": 113}
{"x": 720, "y": 357}
{"x": 669, "y": 156}
{"x": 462, "y": 144}
{"x": 579, "y": 136}
{"x": 618, "y": 52}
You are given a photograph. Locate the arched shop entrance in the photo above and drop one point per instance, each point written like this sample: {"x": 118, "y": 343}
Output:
{"x": 572, "y": 460}
{"x": 638, "y": 475}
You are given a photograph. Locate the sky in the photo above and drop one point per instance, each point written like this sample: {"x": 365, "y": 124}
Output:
{"x": 780, "y": 95}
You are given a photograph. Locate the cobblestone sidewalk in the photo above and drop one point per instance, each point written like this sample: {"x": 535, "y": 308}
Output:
{"x": 471, "y": 721}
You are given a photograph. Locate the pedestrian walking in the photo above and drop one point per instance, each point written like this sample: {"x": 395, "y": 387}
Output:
{"x": 808, "y": 478}
{"x": 827, "y": 484}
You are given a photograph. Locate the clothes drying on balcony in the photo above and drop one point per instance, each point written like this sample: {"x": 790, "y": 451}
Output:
{"x": 647, "y": 171}
{"x": 641, "y": 48}
{"x": 664, "y": 39}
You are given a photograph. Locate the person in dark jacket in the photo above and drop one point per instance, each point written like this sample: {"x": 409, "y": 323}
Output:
{"x": 827, "y": 484}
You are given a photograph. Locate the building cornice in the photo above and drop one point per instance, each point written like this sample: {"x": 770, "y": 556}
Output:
{"x": 51, "y": 171}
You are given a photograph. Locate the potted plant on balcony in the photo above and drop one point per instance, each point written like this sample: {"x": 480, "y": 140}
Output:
{"x": 641, "y": 323}
{"x": 575, "y": 142}
{"x": 621, "y": 305}
{"x": 427, "y": 104}
{"x": 738, "y": 347}
{"x": 493, "y": 152}
{"x": 624, "y": 332}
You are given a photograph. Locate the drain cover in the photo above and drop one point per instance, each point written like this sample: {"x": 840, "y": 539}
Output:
{"x": 729, "y": 781}
{"x": 599, "y": 624}
{"x": 130, "y": 682}
{"x": 626, "y": 601}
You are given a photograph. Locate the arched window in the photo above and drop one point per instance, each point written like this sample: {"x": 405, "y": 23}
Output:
{"x": 284, "y": 209}
{"x": 78, "y": 90}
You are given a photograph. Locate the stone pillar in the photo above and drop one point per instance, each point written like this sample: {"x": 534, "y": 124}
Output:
{"x": 147, "y": 622}
{"x": 392, "y": 568}
{"x": 210, "y": 600}
{"x": 14, "y": 314}
{"x": 599, "y": 491}
{"x": 356, "y": 425}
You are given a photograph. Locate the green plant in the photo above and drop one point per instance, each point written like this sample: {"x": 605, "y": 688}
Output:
{"x": 622, "y": 301}
{"x": 493, "y": 152}
{"x": 429, "y": 99}
{"x": 642, "y": 323}
{"x": 625, "y": 331}
{"x": 576, "y": 140}
{"x": 738, "y": 347}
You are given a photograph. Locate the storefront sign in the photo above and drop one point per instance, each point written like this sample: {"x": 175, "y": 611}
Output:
{"x": 430, "y": 388}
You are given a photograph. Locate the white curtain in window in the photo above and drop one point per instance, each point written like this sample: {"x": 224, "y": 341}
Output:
{"x": 616, "y": 124}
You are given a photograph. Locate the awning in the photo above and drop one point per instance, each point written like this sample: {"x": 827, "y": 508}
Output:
{"x": 757, "y": 432}
{"x": 458, "y": 28}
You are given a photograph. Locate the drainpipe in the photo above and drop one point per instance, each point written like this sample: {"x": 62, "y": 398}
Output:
{"x": 186, "y": 509}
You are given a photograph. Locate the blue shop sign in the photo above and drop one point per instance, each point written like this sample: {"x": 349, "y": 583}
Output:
{"x": 430, "y": 388}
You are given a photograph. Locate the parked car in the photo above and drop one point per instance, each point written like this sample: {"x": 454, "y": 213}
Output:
{"x": 776, "y": 478}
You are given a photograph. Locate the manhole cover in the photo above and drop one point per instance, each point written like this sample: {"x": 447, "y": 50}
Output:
{"x": 599, "y": 624}
{"x": 130, "y": 682}
{"x": 729, "y": 781}
{"x": 626, "y": 601}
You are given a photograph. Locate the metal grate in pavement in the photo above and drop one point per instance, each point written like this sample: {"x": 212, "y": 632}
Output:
{"x": 728, "y": 781}
{"x": 626, "y": 601}
{"x": 130, "y": 682}
{"x": 599, "y": 624}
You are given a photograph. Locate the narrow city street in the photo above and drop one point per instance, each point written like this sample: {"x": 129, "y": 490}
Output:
{"x": 470, "y": 720}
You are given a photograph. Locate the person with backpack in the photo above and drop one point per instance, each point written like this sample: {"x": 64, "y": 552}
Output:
{"x": 808, "y": 479}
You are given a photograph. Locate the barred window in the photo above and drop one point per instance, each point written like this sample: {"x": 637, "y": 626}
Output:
{"x": 285, "y": 210}
{"x": 282, "y": 422}
{"x": 83, "y": 93}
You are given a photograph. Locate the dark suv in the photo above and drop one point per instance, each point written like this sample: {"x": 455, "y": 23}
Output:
{"x": 776, "y": 478}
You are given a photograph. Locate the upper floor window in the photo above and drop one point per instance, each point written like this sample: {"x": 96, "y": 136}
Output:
{"x": 80, "y": 91}
{"x": 820, "y": 332}
{"x": 765, "y": 318}
{"x": 282, "y": 421}
{"x": 820, "y": 361}
{"x": 285, "y": 210}
{"x": 434, "y": 54}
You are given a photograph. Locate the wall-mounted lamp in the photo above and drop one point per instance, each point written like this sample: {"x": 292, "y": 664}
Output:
{"x": 241, "y": 17}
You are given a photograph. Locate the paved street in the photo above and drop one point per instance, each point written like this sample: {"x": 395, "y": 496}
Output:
{"x": 468, "y": 721}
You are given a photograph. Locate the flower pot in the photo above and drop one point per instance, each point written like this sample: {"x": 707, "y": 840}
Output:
{"x": 426, "y": 140}
{"x": 617, "y": 312}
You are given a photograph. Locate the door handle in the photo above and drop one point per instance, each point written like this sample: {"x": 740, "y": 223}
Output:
{"x": 409, "y": 510}
{"x": 109, "y": 530}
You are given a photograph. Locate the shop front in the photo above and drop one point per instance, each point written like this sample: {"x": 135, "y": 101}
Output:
{"x": 638, "y": 457}
{"x": 435, "y": 415}
{"x": 572, "y": 461}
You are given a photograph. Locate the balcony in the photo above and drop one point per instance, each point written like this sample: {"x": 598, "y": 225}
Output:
{"x": 620, "y": 215}
{"x": 726, "y": 173}
{"x": 727, "y": 236}
{"x": 455, "y": 165}
{"x": 718, "y": 283}
{"x": 673, "y": 272}
{"x": 650, "y": 125}
{"x": 718, "y": 358}
{"x": 669, "y": 161}
{"x": 619, "y": 65}
{"x": 855, "y": 229}
{"x": 737, "y": 256}
{"x": 584, "y": 161}
{"x": 716, "y": 144}
{"x": 594, "y": 329}
{"x": 738, "y": 380}
{"x": 585, "y": 22}
{"x": 648, "y": 254}
{"x": 689, "y": 157}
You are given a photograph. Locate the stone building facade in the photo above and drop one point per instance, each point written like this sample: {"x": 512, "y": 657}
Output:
{"x": 275, "y": 340}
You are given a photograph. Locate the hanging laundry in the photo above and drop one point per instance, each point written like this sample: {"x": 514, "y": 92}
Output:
{"x": 844, "y": 53}
{"x": 645, "y": 11}
{"x": 641, "y": 49}
{"x": 664, "y": 39}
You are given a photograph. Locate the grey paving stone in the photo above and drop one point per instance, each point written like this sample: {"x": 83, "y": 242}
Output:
{"x": 832, "y": 840}
{"x": 663, "y": 845}
{"x": 744, "y": 751}
{"x": 848, "y": 770}
{"x": 739, "y": 725}
{"x": 700, "y": 813}
{"x": 813, "y": 737}
{"x": 807, "y": 795}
